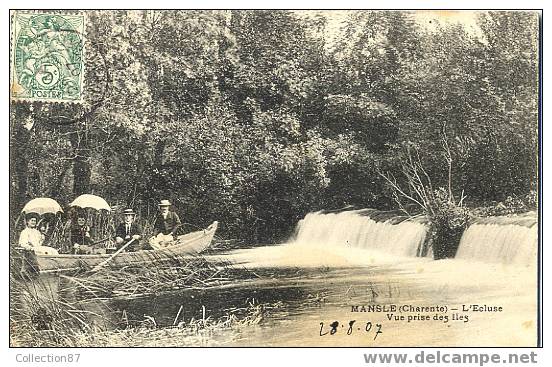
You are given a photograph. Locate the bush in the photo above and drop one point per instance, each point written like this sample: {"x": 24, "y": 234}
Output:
{"x": 511, "y": 205}
{"x": 447, "y": 225}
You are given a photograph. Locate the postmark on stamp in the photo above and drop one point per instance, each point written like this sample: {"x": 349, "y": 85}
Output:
{"x": 47, "y": 57}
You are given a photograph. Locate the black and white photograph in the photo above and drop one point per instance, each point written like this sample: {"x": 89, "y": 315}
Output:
{"x": 274, "y": 178}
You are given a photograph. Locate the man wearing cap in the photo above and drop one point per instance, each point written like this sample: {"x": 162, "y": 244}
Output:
{"x": 166, "y": 224}
{"x": 128, "y": 231}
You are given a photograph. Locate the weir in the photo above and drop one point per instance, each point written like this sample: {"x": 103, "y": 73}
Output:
{"x": 501, "y": 239}
{"x": 367, "y": 229}
{"x": 504, "y": 240}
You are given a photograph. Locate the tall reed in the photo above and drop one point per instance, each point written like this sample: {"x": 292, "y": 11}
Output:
{"x": 55, "y": 310}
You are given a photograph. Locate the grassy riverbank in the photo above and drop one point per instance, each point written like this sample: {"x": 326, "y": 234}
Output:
{"x": 66, "y": 310}
{"x": 194, "y": 332}
{"x": 285, "y": 303}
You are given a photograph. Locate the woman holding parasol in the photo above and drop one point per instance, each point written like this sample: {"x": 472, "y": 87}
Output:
{"x": 80, "y": 230}
{"x": 31, "y": 238}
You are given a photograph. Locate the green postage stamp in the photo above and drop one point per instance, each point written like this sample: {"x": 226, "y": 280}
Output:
{"x": 47, "y": 57}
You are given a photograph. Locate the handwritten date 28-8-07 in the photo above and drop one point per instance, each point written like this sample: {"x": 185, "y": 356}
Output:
{"x": 353, "y": 327}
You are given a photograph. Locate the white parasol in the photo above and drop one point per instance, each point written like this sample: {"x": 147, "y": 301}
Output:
{"x": 42, "y": 206}
{"x": 91, "y": 201}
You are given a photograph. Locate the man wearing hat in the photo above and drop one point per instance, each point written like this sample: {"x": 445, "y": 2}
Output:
{"x": 166, "y": 224}
{"x": 128, "y": 231}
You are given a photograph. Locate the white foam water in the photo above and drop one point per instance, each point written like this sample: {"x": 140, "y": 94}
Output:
{"x": 374, "y": 251}
{"x": 502, "y": 240}
{"x": 350, "y": 229}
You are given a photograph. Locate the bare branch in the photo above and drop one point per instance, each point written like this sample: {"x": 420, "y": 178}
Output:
{"x": 398, "y": 189}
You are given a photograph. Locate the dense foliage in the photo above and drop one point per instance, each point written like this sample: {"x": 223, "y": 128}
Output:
{"x": 255, "y": 118}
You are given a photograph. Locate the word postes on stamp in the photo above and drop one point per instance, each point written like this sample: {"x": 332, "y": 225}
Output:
{"x": 47, "y": 55}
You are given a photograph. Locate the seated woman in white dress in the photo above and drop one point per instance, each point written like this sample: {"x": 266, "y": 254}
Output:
{"x": 31, "y": 237}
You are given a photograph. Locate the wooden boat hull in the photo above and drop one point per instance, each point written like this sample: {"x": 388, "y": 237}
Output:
{"x": 188, "y": 244}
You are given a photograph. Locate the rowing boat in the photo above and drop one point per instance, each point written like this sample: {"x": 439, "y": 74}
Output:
{"x": 188, "y": 244}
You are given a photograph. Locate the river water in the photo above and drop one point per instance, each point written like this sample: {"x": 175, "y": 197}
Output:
{"x": 340, "y": 280}
{"x": 368, "y": 290}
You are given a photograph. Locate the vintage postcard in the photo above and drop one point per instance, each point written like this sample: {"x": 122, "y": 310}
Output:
{"x": 269, "y": 178}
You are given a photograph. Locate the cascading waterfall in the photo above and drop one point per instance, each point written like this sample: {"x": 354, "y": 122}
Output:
{"x": 505, "y": 240}
{"x": 367, "y": 229}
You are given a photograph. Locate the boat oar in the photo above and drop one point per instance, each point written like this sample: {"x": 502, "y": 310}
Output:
{"x": 103, "y": 263}
{"x": 98, "y": 242}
